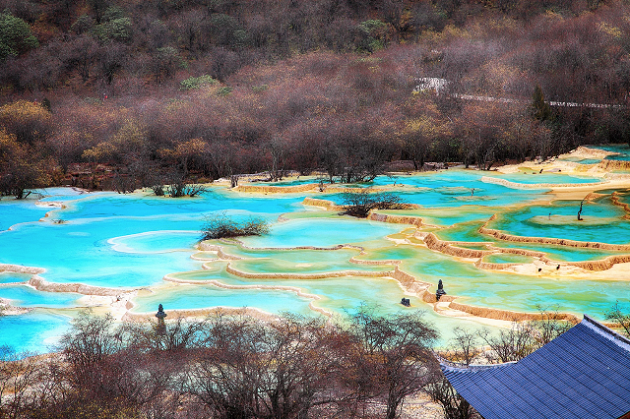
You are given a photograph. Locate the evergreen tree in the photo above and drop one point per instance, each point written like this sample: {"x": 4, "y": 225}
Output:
{"x": 15, "y": 36}
{"x": 46, "y": 105}
{"x": 541, "y": 109}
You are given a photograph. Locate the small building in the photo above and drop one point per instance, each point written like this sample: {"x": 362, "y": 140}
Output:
{"x": 425, "y": 84}
{"x": 583, "y": 373}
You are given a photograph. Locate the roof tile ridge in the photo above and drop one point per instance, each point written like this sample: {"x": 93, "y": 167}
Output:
{"x": 606, "y": 332}
{"x": 461, "y": 367}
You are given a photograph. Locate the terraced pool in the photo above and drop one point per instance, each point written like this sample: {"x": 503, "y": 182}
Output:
{"x": 145, "y": 250}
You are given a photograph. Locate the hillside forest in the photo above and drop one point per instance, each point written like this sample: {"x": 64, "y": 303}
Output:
{"x": 124, "y": 94}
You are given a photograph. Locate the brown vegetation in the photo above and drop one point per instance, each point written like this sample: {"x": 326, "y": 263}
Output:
{"x": 224, "y": 367}
{"x": 239, "y": 366}
{"x": 207, "y": 90}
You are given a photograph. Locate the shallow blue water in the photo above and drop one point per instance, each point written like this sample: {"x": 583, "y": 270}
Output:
{"x": 37, "y": 332}
{"x": 485, "y": 195}
{"x": 10, "y": 277}
{"x": 446, "y": 177}
{"x": 341, "y": 295}
{"x": 321, "y": 232}
{"x": 623, "y": 151}
{"x": 207, "y": 296}
{"x": 104, "y": 236}
{"x": 14, "y": 212}
{"x": 532, "y": 178}
{"x": 156, "y": 242}
{"x": 562, "y": 254}
{"x": 465, "y": 232}
{"x": 577, "y": 297}
{"x": 448, "y": 219}
{"x": 80, "y": 252}
{"x": 604, "y": 224}
{"x": 581, "y": 160}
{"x": 216, "y": 200}
{"x": 25, "y": 296}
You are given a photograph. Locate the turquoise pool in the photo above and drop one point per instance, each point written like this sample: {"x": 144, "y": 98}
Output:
{"x": 133, "y": 241}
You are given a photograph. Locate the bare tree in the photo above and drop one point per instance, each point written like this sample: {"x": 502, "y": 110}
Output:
{"x": 443, "y": 393}
{"x": 123, "y": 183}
{"x": 107, "y": 368}
{"x": 17, "y": 374}
{"x": 508, "y": 345}
{"x": 549, "y": 326}
{"x": 188, "y": 26}
{"x": 393, "y": 356}
{"x": 621, "y": 317}
{"x": 253, "y": 369}
{"x": 463, "y": 348}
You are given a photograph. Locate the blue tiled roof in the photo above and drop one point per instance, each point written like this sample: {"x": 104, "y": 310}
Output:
{"x": 584, "y": 373}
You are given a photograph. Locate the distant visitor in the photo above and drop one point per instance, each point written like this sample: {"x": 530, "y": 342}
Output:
{"x": 161, "y": 326}
{"x": 440, "y": 291}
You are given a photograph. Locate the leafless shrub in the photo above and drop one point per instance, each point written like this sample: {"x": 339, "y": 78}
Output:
{"x": 221, "y": 226}
{"x": 361, "y": 203}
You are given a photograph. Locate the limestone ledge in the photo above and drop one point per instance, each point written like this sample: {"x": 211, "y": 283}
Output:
{"x": 207, "y": 247}
{"x": 412, "y": 285}
{"x": 395, "y": 219}
{"x": 495, "y": 266}
{"x": 444, "y": 247}
{"x": 437, "y": 245}
{"x": 50, "y": 204}
{"x": 507, "y": 315}
{"x": 199, "y": 257}
{"x": 402, "y": 277}
{"x": 41, "y": 284}
{"x": 616, "y": 201}
{"x": 617, "y": 176}
{"x": 409, "y": 283}
{"x": 610, "y": 165}
{"x": 552, "y": 241}
{"x": 322, "y": 203}
{"x": 509, "y": 266}
{"x": 338, "y": 189}
{"x": 601, "y": 265}
{"x": 319, "y": 275}
{"x": 589, "y": 153}
{"x": 19, "y": 269}
{"x": 276, "y": 189}
{"x": 374, "y": 262}
{"x": 308, "y": 187}
{"x": 280, "y": 249}
{"x": 12, "y": 284}
{"x": 6, "y": 309}
{"x": 521, "y": 252}
{"x": 331, "y": 206}
{"x": 514, "y": 185}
